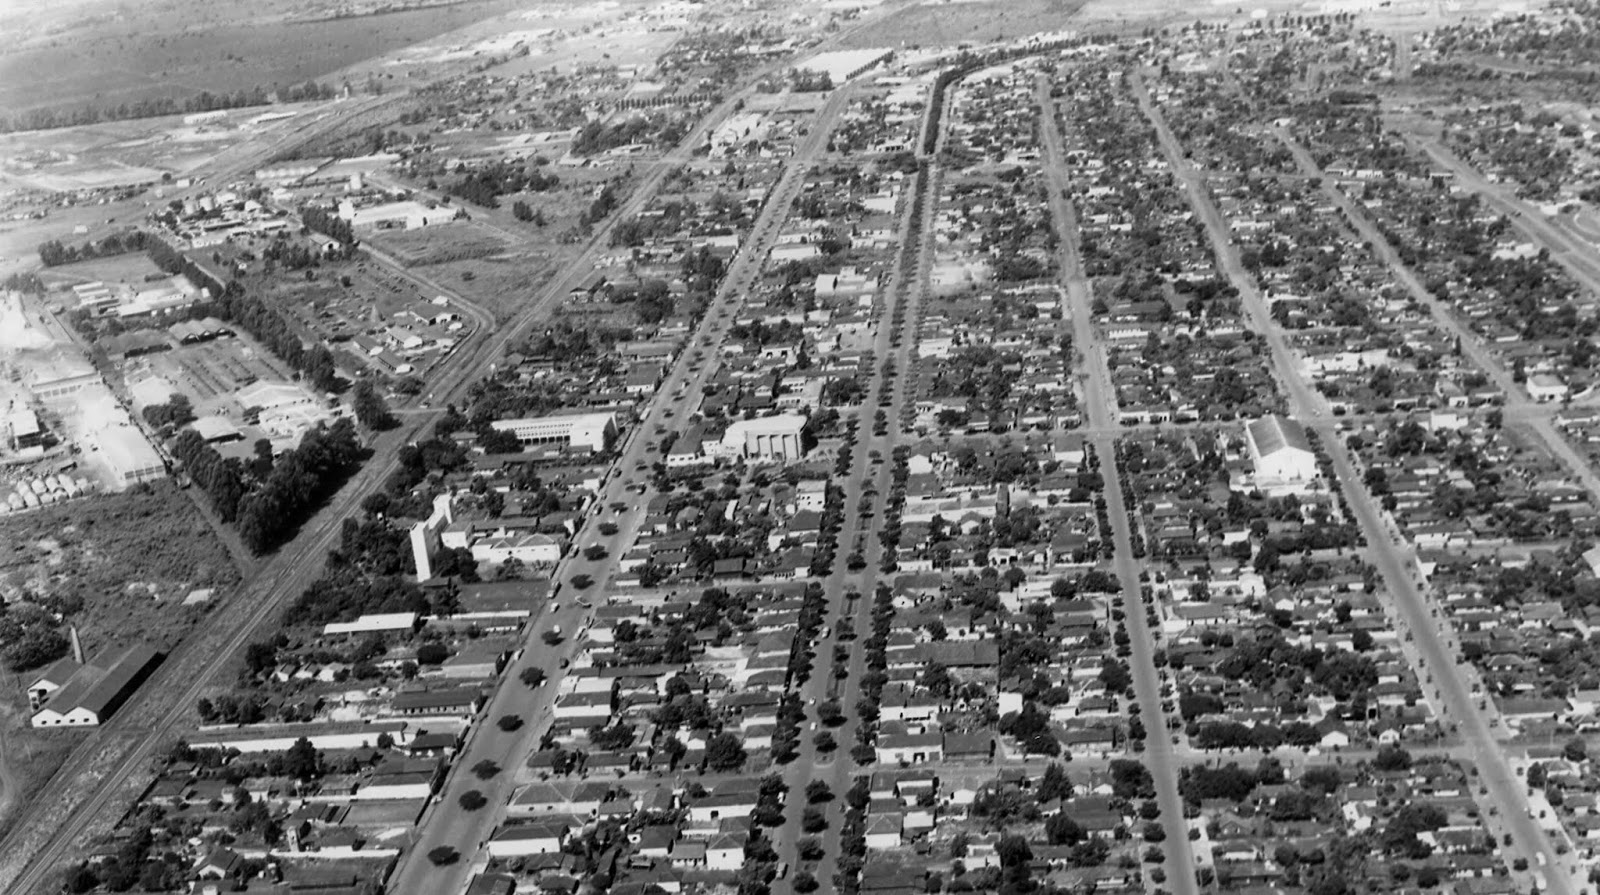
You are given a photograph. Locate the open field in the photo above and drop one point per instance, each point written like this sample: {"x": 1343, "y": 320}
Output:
{"x": 502, "y": 285}
{"x": 130, "y": 267}
{"x": 949, "y": 24}
{"x": 437, "y": 244}
{"x": 177, "y": 49}
{"x": 121, "y": 564}
{"x": 28, "y": 757}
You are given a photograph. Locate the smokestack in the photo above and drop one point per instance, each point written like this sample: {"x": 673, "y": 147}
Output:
{"x": 77, "y": 646}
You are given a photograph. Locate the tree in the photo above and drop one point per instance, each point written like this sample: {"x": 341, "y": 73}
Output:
{"x": 1391, "y": 758}
{"x": 370, "y": 408}
{"x": 1576, "y": 750}
{"x": 301, "y": 761}
{"x": 472, "y": 800}
{"x": 812, "y": 820}
{"x": 818, "y": 791}
{"x": 509, "y": 723}
{"x": 1062, "y": 830}
{"x": 485, "y": 769}
{"x": 432, "y": 653}
{"x": 1013, "y": 851}
{"x": 724, "y": 752}
{"x": 1054, "y": 784}
{"x": 443, "y": 855}
{"x": 532, "y": 676}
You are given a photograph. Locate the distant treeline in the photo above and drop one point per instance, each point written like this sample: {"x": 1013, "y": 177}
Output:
{"x": 204, "y": 101}
{"x": 254, "y": 316}
{"x": 267, "y": 506}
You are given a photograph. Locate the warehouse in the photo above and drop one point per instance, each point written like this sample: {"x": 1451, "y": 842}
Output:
{"x": 96, "y": 690}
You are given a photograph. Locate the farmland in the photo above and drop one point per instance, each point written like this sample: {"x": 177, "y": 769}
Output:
{"x": 110, "y": 59}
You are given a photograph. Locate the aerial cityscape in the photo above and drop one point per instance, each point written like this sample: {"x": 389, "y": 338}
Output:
{"x": 864, "y": 447}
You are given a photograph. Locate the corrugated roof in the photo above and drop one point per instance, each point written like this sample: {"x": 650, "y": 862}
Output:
{"x": 1274, "y": 433}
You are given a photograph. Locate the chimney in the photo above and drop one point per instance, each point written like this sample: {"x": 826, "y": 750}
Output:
{"x": 77, "y": 646}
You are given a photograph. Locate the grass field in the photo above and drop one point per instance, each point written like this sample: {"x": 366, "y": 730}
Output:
{"x": 181, "y": 47}
{"x": 434, "y": 245}
{"x": 120, "y": 563}
{"x": 130, "y": 268}
{"x": 31, "y": 756}
{"x": 948, "y": 24}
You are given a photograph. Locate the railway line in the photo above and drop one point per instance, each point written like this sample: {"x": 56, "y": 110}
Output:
{"x": 111, "y": 767}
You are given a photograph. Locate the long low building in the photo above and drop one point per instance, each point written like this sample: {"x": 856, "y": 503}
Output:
{"x": 97, "y": 689}
{"x": 595, "y": 431}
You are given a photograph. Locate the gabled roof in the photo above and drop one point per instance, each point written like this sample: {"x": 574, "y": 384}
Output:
{"x": 1274, "y": 433}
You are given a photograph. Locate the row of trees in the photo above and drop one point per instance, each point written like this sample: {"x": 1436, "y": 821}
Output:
{"x": 328, "y": 223}
{"x": 268, "y": 503}
{"x": 54, "y": 253}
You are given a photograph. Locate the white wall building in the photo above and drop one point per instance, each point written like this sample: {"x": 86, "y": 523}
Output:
{"x": 591, "y": 430}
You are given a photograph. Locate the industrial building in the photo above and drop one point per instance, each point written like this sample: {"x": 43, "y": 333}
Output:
{"x": 89, "y": 696}
{"x": 126, "y": 452}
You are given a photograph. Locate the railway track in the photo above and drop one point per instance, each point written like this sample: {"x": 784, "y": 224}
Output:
{"x": 106, "y": 770}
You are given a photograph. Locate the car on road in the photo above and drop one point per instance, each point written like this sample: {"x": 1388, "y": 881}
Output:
{"x": 584, "y": 603}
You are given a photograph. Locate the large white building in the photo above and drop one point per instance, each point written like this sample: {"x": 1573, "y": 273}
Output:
{"x": 766, "y": 438}
{"x": 1281, "y": 455}
{"x": 592, "y": 430}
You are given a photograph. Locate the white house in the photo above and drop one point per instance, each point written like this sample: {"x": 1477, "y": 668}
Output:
{"x": 541, "y": 837}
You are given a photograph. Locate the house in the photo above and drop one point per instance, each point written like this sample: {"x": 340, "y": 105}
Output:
{"x": 221, "y": 863}
{"x": 910, "y": 748}
{"x": 883, "y": 831}
{"x": 539, "y": 837}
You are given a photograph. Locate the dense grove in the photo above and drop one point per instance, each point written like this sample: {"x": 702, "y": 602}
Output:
{"x": 269, "y": 498}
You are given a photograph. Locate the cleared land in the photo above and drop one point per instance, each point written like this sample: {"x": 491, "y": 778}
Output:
{"x": 440, "y": 243}
{"x": 948, "y": 24}
{"x": 118, "y": 565}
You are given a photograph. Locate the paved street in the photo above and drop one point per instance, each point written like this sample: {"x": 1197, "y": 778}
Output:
{"x": 1101, "y": 413}
{"x": 1450, "y": 699}
{"x": 467, "y": 831}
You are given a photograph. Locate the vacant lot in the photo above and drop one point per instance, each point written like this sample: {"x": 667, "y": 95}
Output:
{"x": 434, "y": 245}
{"x": 117, "y": 565}
{"x": 949, "y": 24}
{"x": 178, "y": 49}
